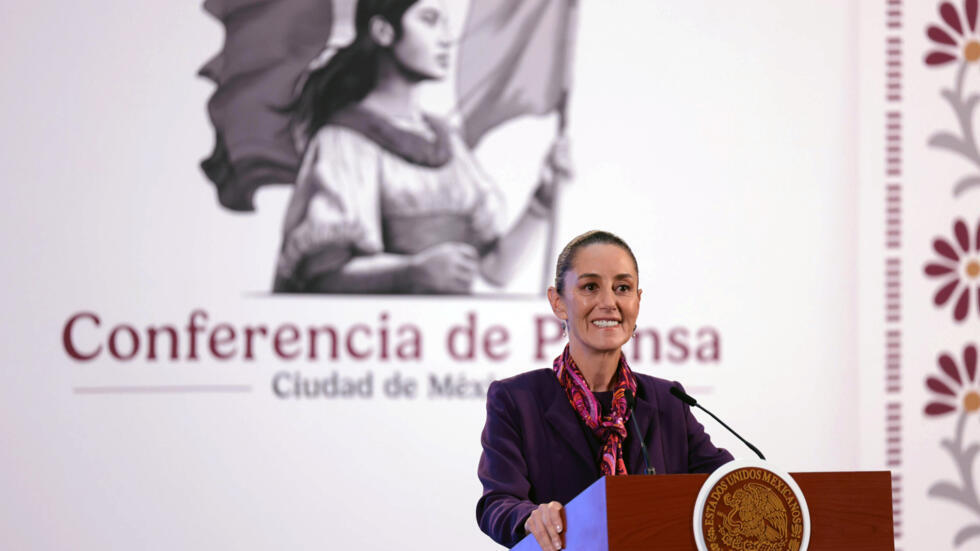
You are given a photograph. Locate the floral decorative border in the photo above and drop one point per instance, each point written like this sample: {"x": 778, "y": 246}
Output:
{"x": 893, "y": 200}
{"x": 956, "y": 388}
{"x": 958, "y": 266}
{"x": 957, "y": 41}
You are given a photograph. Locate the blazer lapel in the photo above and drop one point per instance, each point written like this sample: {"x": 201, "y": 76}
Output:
{"x": 647, "y": 414}
{"x": 565, "y": 421}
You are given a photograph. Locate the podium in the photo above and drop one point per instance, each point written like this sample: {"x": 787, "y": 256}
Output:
{"x": 849, "y": 511}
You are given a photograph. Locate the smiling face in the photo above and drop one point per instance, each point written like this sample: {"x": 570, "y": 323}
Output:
{"x": 423, "y": 47}
{"x": 600, "y": 299}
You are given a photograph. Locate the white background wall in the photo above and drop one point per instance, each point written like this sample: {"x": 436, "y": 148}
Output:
{"x": 719, "y": 139}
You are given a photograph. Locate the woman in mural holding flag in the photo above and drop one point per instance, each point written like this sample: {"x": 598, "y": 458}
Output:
{"x": 389, "y": 199}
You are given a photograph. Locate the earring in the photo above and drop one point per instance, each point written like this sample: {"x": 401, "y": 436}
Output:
{"x": 564, "y": 329}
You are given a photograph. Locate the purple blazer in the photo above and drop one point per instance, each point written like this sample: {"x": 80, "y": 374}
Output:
{"x": 536, "y": 449}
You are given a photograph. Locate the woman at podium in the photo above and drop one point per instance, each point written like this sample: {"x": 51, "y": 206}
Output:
{"x": 550, "y": 433}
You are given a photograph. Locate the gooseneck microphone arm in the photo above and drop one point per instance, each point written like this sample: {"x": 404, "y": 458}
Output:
{"x": 689, "y": 400}
{"x": 630, "y": 401}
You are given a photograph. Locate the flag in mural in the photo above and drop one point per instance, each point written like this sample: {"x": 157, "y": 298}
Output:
{"x": 267, "y": 47}
{"x": 514, "y": 59}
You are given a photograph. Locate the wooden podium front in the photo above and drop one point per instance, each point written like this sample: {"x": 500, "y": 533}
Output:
{"x": 849, "y": 511}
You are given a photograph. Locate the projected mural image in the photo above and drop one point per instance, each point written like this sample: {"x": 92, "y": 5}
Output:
{"x": 388, "y": 198}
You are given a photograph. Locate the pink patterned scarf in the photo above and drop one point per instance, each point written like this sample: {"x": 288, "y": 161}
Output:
{"x": 610, "y": 429}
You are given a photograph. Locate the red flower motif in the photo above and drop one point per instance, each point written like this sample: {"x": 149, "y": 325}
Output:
{"x": 958, "y": 388}
{"x": 960, "y": 266}
{"x": 958, "y": 39}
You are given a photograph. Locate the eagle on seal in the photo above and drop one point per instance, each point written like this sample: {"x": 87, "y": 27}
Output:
{"x": 756, "y": 514}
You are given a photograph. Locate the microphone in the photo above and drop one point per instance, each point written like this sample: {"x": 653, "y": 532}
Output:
{"x": 630, "y": 402}
{"x": 689, "y": 400}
